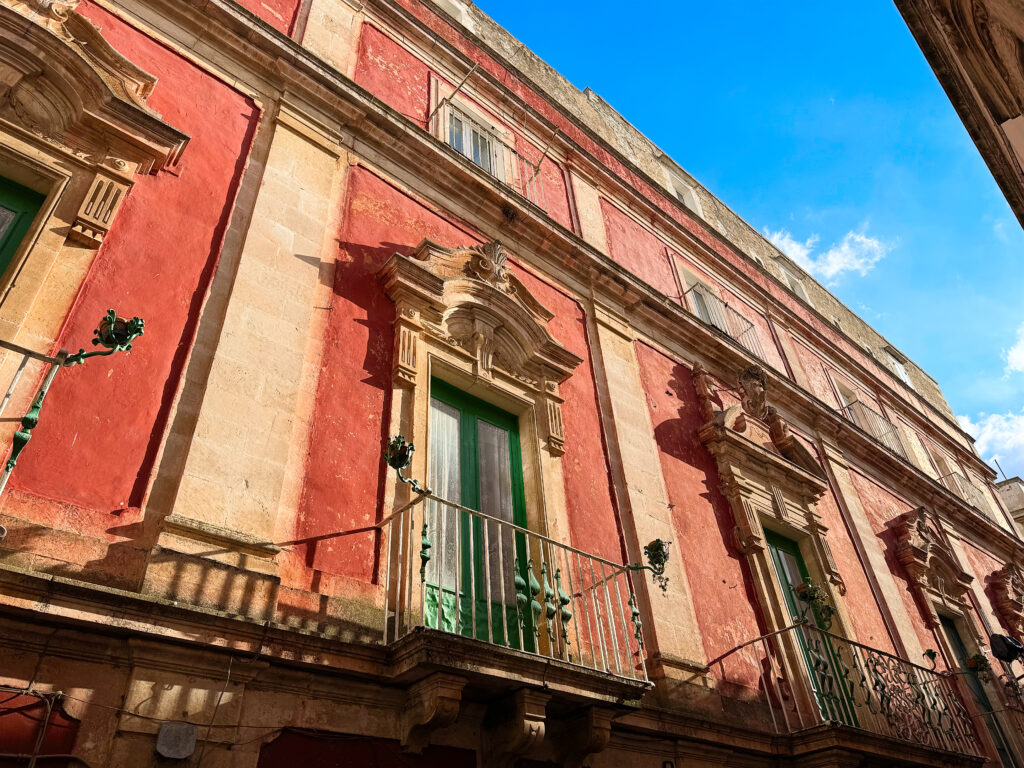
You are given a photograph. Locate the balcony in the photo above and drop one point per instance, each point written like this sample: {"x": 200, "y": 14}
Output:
{"x": 811, "y": 678}
{"x": 482, "y": 146}
{"x": 718, "y": 314}
{"x": 875, "y": 424}
{"x": 967, "y": 491}
{"x": 457, "y": 573}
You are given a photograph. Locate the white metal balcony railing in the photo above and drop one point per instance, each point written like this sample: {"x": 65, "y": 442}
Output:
{"x": 454, "y": 569}
{"x": 811, "y": 677}
{"x": 875, "y": 424}
{"x": 717, "y": 313}
{"x": 484, "y": 148}
{"x": 966, "y": 490}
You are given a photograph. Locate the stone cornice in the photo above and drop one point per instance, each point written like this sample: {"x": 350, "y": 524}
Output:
{"x": 977, "y": 118}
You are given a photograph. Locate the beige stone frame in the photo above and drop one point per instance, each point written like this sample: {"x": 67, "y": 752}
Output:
{"x": 74, "y": 126}
{"x": 463, "y": 317}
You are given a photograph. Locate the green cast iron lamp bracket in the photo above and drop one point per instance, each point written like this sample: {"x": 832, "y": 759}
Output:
{"x": 657, "y": 558}
{"x": 398, "y": 455}
{"x": 114, "y": 333}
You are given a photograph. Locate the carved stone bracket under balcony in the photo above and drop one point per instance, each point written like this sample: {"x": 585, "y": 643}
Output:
{"x": 430, "y": 704}
{"x": 514, "y": 727}
{"x": 1007, "y": 587}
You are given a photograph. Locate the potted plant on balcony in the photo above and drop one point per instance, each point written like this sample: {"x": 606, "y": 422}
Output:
{"x": 816, "y": 596}
{"x": 980, "y": 665}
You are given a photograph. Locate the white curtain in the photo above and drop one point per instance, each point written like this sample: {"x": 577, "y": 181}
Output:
{"x": 496, "y": 501}
{"x": 445, "y": 480}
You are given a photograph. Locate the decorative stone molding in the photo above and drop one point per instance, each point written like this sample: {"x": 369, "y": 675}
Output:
{"x": 936, "y": 576}
{"x": 468, "y": 301}
{"x": 766, "y": 472}
{"x": 432, "y": 703}
{"x": 514, "y": 726}
{"x": 584, "y": 735}
{"x": 1007, "y": 587}
{"x": 64, "y": 84}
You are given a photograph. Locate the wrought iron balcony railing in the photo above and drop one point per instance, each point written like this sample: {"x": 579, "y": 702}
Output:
{"x": 967, "y": 491}
{"x": 811, "y": 677}
{"x": 718, "y": 314}
{"x": 453, "y": 569}
{"x": 876, "y": 425}
{"x": 482, "y": 146}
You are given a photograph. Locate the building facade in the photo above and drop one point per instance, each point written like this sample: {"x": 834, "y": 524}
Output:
{"x": 670, "y": 502}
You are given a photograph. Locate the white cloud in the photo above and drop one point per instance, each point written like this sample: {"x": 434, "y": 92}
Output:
{"x": 856, "y": 252}
{"x": 1014, "y": 356}
{"x": 999, "y": 436}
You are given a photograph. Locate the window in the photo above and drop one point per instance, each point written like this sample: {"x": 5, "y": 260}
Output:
{"x": 471, "y": 139}
{"x": 475, "y": 461}
{"x": 896, "y": 362}
{"x": 796, "y": 285}
{"x": 18, "y": 206}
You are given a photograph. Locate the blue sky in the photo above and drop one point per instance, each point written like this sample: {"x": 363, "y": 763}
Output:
{"x": 823, "y": 125}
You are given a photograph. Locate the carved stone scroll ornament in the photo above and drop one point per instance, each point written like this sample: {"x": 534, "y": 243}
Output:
{"x": 430, "y": 704}
{"x": 514, "y": 727}
{"x": 932, "y": 567}
{"x": 766, "y": 472}
{"x": 64, "y": 83}
{"x": 1008, "y": 598}
{"x": 468, "y": 301}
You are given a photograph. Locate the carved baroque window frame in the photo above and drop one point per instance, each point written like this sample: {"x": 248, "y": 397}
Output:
{"x": 463, "y": 317}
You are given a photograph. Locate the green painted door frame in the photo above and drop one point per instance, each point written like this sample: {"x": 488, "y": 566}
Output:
{"x": 472, "y": 598}
{"x": 824, "y": 665}
{"x": 18, "y": 207}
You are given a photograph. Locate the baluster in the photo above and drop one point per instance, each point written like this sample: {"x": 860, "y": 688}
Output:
{"x": 573, "y": 619}
{"x": 488, "y": 607}
{"x": 549, "y": 603}
{"x": 535, "y": 607}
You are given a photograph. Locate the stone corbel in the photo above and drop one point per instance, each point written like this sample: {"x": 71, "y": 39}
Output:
{"x": 749, "y": 534}
{"x": 407, "y": 342}
{"x": 584, "y": 735}
{"x": 514, "y": 727}
{"x": 1008, "y": 598}
{"x": 97, "y": 211}
{"x": 430, "y": 704}
{"x": 553, "y": 419}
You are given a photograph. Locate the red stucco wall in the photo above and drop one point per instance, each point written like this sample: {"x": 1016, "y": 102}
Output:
{"x": 157, "y": 263}
{"x": 638, "y": 250}
{"x": 393, "y": 74}
{"x": 716, "y": 571}
{"x": 280, "y": 14}
{"x": 881, "y": 507}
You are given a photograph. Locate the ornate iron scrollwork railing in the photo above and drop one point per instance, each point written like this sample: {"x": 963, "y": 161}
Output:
{"x": 811, "y": 677}
{"x": 454, "y": 569}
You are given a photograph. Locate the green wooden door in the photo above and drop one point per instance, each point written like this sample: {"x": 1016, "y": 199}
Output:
{"x": 475, "y": 461}
{"x": 18, "y": 206}
{"x": 826, "y": 671}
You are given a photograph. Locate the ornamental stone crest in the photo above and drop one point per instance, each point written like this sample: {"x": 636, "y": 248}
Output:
{"x": 933, "y": 569}
{"x": 767, "y": 473}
